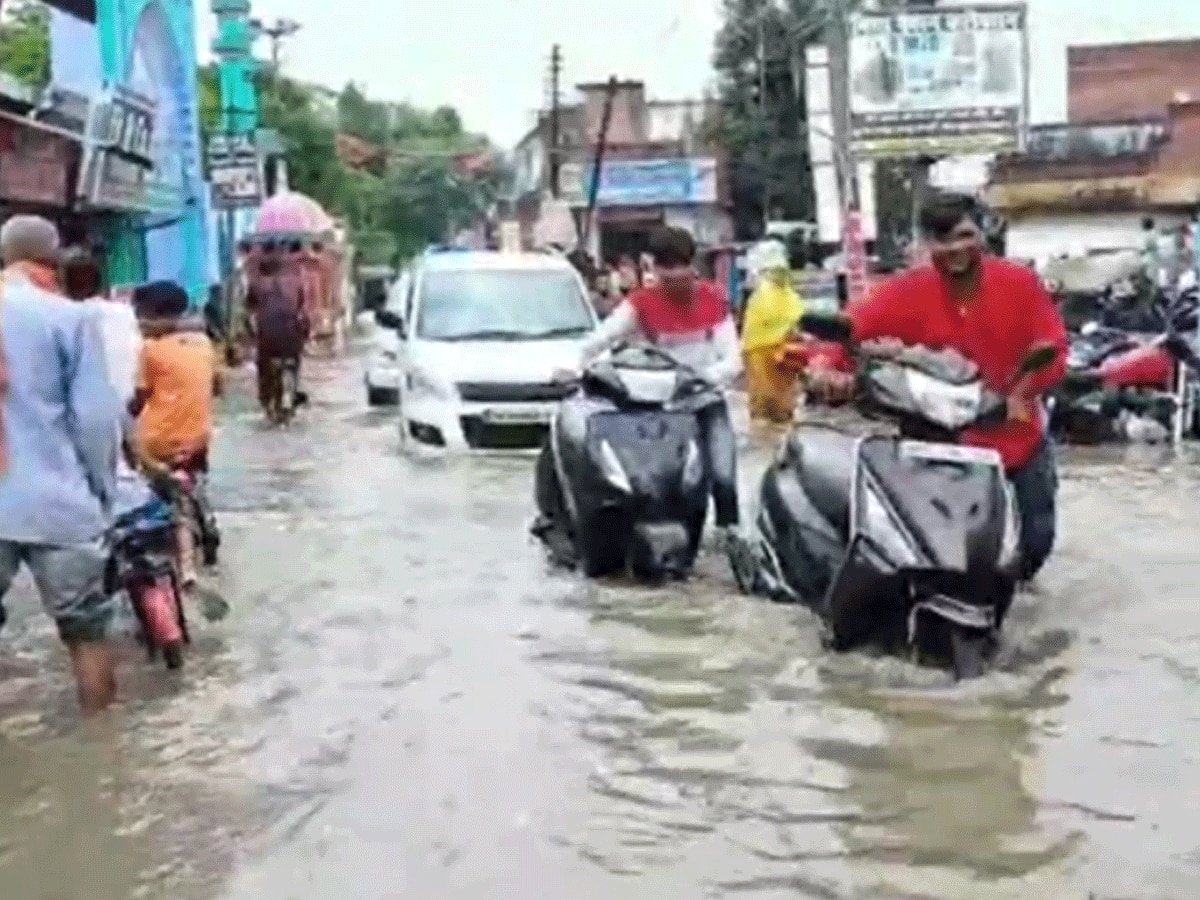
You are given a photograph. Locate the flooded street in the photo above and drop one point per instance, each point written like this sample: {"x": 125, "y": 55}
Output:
{"x": 405, "y": 703}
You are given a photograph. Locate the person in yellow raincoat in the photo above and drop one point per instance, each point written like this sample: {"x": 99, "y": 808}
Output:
{"x": 771, "y": 315}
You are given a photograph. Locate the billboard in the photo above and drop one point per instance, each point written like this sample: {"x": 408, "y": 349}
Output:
{"x": 643, "y": 182}
{"x": 943, "y": 82}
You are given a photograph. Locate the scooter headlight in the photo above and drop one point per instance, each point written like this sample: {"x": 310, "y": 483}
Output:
{"x": 887, "y": 533}
{"x": 1010, "y": 542}
{"x": 693, "y": 466}
{"x": 614, "y": 472}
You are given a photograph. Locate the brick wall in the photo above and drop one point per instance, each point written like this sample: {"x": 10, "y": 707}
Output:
{"x": 1130, "y": 81}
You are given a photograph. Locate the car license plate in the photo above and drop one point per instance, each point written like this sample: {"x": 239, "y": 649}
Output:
{"x": 949, "y": 453}
{"x": 524, "y": 415}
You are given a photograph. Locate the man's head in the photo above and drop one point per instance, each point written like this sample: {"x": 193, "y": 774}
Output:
{"x": 81, "y": 275}
{"x": 673, "y": 251}
{"x": 160, "y": 301}
{"x": 952, "y": 228}
{"x": 28, "y": 239}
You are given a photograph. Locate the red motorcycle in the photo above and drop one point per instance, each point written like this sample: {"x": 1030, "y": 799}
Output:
{"x": 1117, "y": 382}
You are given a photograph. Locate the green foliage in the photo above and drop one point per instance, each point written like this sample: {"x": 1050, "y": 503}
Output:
{"x": 394, "y": 210}
{"x": 25, "y": 42}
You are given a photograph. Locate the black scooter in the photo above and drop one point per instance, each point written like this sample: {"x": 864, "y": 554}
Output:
{"x": 909, "y": 542}
{"x": 621, "y": 483}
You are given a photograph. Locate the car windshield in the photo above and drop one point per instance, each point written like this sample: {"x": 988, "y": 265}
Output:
{"x": 495, "y": 304}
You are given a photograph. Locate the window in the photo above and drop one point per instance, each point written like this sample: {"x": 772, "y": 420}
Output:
{"x": 503, "y": 304}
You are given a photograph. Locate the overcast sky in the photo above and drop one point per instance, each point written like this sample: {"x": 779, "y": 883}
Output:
{"x": 489, "y": 58}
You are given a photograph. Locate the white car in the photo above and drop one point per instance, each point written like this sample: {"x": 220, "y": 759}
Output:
{"x": 479, "y": 337}
{"x": 382, "y": 376}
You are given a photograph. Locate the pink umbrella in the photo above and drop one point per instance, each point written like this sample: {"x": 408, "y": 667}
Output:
{"x": 292, "y": 213}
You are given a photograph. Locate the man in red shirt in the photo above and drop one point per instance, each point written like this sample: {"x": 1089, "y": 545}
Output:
{"x": 994, "y": 312}
{"x": 688, "y": 318}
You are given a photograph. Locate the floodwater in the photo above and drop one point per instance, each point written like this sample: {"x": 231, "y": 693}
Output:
{"x": 405, "y": 703}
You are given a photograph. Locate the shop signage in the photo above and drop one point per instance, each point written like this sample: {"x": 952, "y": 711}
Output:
{"x": 942, "y": 82}
{"x": 234, "y": 168}
{"x": 644, "y": 182}
{"x": 119, "y": 151}
{"x": 35, "y": 164}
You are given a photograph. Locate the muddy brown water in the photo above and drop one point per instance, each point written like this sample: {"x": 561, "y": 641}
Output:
{"x": 406, "y": 703}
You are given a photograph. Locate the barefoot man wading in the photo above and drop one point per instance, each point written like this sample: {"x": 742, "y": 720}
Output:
{"x": 59, "y": 426}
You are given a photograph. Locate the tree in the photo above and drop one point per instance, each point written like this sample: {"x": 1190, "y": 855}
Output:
{"x": 760, "y": 61}
{"x": 25, "y": 43}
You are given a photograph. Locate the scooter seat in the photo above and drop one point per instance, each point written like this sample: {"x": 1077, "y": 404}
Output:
{"x": 824, "y": 461}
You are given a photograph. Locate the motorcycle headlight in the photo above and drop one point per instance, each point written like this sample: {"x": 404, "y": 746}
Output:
{"x": 614, "y": 473}
{"x": 693, "y": 466}
{"x": 422, "y": 385}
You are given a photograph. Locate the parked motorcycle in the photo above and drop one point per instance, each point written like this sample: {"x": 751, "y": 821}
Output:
{"x": 1121, "y": 386}
{"x": 907, "y": 541}
{"x": 621, "y": 482}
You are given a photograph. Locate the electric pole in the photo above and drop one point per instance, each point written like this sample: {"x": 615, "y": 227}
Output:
{"x": 555, "y": 120}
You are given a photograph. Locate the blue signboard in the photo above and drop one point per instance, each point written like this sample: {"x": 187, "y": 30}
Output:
{"x": 653, "y": 182}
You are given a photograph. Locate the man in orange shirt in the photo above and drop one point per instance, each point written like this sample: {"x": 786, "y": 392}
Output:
{"x": 176, "y": 381}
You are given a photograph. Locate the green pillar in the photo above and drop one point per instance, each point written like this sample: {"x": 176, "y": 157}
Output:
{"x": 236, "y": 68}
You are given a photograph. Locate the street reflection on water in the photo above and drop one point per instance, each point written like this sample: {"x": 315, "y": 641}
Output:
{"x": 406, "y": 702}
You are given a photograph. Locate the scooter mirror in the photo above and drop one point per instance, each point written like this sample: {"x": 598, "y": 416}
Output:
{"x": 1037, "y": 358}
{"x": 827, "y": 327}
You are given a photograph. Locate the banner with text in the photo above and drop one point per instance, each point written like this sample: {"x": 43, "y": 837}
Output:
{"x": 942, "y": 82}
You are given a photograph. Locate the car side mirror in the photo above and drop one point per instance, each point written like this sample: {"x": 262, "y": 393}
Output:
{"x": 388, "y": 318}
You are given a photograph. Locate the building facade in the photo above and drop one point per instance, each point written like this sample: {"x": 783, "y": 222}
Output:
{"x": 658, "y": 168}
{"x": 1131, "y": 150}
{"x": 141, "y": 176}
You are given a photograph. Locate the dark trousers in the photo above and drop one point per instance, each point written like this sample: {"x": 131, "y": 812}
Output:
{"x": 270, "y": 371}
{"x": 719, "y": 446}
{"x": 1036, "y": 487}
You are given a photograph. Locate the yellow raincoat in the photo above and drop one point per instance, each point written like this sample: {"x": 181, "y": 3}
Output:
{"x": 771, "y": 314}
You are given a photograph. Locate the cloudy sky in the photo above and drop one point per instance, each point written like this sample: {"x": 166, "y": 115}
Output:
{"x": 489, "y": 57}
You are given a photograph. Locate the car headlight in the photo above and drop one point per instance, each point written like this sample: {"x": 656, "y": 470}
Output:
{"x": 422, "y": 385}
{"x": 613, "y": 471}
{"x": 693, "y": 466}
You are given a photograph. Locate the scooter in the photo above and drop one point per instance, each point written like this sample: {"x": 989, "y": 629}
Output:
{"x": 621, "y": 483}
{"x": 910, "y": 542}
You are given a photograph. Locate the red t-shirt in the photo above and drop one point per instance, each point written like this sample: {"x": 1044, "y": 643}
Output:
{"x": 660, "y": 316}
{"x": 1011, "y": 313}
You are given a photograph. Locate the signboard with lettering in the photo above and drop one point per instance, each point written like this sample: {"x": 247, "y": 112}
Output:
{"x": 235, "y": 169}
{"x": 942, "y": 82}
{"x": 35, "y": 164}
{"x": 119, "y": 151}
{"x": 643, "y": 182}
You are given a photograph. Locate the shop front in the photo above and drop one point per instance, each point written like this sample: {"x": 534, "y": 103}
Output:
{"x": 636, "y": 195}
{"x": 38, "y": 167}
{"x": 141, "y": 176}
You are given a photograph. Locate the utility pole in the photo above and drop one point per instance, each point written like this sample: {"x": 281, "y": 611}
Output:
{"x": 762, "y": 110}
{"x": 555, "y": 121}
{"x": 610, "y": 94}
